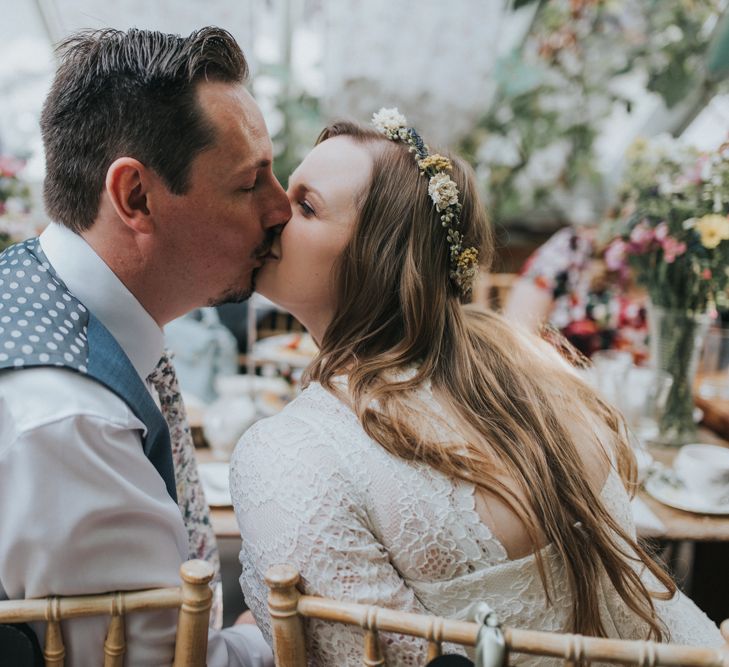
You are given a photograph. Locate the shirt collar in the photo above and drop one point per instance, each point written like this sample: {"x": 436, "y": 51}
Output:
{"x": 93, "y": 283}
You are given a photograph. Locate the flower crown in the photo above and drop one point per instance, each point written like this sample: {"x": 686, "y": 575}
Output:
{"x": 442, "y": 190}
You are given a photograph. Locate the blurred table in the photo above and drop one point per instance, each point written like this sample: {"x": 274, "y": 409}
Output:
{"x": 224, "y": 522}
{"x": 681, "y": 525}
{"x": 708, "y": 536}
{"x": 716, "y": 411}
{"x": 223, "y": 518}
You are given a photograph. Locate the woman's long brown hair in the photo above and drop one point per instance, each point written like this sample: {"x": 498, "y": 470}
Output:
{"x": 516, "y": 407}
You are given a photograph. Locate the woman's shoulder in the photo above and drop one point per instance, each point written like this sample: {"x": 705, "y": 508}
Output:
{"x": 308, "y": 425}
{"x": 303, "y": 448}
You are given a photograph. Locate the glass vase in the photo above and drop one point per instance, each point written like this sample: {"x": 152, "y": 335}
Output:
{"x": 676, "y": 340}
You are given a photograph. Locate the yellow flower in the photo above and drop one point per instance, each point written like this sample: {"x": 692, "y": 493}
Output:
{"x": 438, "y": 162}
{"x": 713, "y": 229}
{"x": 468, "y": 257}
{"x": 637, "y": 148}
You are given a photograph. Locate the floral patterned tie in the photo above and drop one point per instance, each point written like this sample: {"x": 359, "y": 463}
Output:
{"x": 190, "y": 496}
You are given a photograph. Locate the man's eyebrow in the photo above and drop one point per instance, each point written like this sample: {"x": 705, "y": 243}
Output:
{"x": 262, "y": 164}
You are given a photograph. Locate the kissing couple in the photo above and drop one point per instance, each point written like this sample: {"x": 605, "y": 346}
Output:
{"x": 437, "y": 455}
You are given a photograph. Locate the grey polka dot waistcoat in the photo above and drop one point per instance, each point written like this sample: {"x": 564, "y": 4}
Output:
{"x": 43, "y": 324}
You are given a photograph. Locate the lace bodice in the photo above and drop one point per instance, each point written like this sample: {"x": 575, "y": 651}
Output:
{"x": 311, "y": 488}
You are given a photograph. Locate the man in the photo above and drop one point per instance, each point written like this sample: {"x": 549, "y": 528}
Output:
{"x": 162, "y": 197}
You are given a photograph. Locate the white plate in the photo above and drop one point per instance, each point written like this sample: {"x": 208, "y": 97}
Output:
{"x": 678, "y": 497}
{"x": 293, "y": 349}
{"x": 214, "y": 479}
{"x": 645, "y": 462}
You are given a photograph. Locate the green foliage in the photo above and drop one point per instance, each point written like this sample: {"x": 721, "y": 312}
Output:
{"x": 534, "y": 147}
{"x": 301, "y": 122}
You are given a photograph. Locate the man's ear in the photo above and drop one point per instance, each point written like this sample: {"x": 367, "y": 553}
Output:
{"x": 128, "y": 183}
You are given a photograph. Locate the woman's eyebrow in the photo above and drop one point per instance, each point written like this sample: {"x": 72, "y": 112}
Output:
{"x": 305, "y": 188}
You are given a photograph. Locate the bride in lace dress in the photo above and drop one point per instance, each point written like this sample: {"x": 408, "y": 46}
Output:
{"x": 437, "y": 455}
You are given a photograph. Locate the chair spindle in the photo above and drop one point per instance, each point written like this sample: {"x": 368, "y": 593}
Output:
{"x": 435, "y": 639}
{"x": 191, "y": 646}
{"x": 54, "y": 651}
{"x": 115, "y": 644}
{"x": 287, "y": 626}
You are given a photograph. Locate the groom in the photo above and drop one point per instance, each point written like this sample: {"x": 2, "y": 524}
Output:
{"x": 160, "y": 188}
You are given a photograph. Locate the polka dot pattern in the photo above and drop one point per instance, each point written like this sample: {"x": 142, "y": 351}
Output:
{"x": 51, "y": 327}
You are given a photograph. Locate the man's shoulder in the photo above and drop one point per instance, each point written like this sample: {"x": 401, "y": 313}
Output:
{"x": 34, "y": 397}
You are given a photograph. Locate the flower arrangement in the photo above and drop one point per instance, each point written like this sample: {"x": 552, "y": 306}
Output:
{"x": 675, "y": 239}
{"x": 14, "y": 198}
{"x": 675, "y": 210}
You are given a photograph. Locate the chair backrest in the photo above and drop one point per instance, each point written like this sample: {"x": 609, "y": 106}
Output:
{"x": 193, "y": 599}
{"x": 491, "y": 290}
{"x": 288, "y": 608}
{"x": 274, "y": 321}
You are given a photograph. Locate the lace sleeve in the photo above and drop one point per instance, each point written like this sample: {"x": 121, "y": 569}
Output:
{"x": 296, "y": 502}
{"x": 681, "y": 618}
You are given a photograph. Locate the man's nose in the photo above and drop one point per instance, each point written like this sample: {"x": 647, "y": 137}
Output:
{"x": 279, "y": 212}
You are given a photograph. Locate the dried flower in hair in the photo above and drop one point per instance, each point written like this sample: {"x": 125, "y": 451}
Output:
{"x": 443, "y": 191}
{"x": 389, "y": 122}
{"x": 436, "y": 163}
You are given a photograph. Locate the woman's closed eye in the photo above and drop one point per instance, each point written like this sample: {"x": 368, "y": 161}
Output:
{"x": 306, "y": 208}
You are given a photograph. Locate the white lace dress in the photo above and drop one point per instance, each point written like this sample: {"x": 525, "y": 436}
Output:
{"x": 311, "y": 488}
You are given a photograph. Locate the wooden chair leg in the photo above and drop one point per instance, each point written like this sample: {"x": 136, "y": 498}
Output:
{"x": 54, "y": 652}
{"x": 372, "y": 650}
{"x": 435, "y": 639}
{"x": 191, "y": 646}
{"x": 115, "y": 643}
{"x": 289, "y": 646}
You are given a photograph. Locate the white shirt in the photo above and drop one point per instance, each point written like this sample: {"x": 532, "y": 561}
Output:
{"x": 83, "y": 509}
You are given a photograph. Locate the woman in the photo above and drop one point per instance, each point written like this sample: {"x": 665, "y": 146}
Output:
{"x": 572, "y": 282}
{"x": 437, "y": 457}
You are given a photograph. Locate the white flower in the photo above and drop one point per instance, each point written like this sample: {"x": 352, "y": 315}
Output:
{"x": 443, "y": 191}
{"x": 498, "y": 149}
{"x": 389, "y": 121}
{"x": 546, "y": 165}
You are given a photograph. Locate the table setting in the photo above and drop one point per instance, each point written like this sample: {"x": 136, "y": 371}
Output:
{"x": 698, "y": 480}
{"x": 684, "y": 490}
{"x": 295, "y": 350}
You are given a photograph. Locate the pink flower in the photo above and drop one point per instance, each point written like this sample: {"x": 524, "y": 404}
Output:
{"x": 661, "y": 232}
{"x": 615, "y": 255}
{"x": 672, "y": 248}
{"x": 706, "y": 274}
{"x": 641, "y": 238}
{"x": 10, "y": 166}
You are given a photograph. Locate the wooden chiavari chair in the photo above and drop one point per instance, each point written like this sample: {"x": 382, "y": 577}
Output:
{"x": 491, "y": 290}
{"x": 276, "y": 321}
{"x": 289, "y": 608}
{"x": 193, "y": 599}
